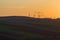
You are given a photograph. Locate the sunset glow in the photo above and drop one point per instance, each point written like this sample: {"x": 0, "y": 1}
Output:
{"x": 47, "y": 8}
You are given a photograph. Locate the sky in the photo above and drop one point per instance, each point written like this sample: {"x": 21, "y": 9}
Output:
{"x": 47, "y": 8}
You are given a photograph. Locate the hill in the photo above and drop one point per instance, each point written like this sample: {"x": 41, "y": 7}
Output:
{"x": 21, "y": 27}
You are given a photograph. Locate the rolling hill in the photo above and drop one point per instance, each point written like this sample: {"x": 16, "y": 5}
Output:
{"x": 27, "y": 28}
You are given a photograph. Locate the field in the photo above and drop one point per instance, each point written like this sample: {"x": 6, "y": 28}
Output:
{"x": 25, "y": 28}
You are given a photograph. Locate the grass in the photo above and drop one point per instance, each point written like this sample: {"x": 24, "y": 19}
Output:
{"x": 26, "y": 35}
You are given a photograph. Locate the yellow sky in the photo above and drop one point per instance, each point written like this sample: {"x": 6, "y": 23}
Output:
{"x": 48, "y": 8}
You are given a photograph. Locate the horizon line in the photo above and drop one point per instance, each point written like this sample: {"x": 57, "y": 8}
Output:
{"x": 28, "y": 16}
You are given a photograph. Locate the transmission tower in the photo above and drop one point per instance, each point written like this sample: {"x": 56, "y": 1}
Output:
{"x": 38, "y": 14}
{"x": 29, "y": 14}
{"x": 34, "y": 15}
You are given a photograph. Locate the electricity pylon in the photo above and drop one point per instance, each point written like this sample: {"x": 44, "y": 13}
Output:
{"x": 29, "y": 14}
{"x": 34, "y": 15}
{"x": 38, "y": 14}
